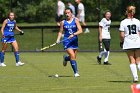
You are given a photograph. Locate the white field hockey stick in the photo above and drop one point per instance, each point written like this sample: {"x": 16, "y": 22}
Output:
{"x": 52, "y": 45}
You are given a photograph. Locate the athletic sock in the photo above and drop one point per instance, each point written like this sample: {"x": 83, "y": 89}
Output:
{"x": 74, "y": 66}
{"x": 16, "y": 56}
{"x": 134, "y": 70}
{"x": 106, "y": 56}
{"x": 102, "y": 53}
{"x": 2, "y": 57}
{"x": 67, "y": 58}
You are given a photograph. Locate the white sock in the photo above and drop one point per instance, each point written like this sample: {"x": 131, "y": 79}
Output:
{"x": 134, "y": 70}
{"x": 139, "y": 66}
{"x": 102, "y": 53}
{"x": 106, "y": 56}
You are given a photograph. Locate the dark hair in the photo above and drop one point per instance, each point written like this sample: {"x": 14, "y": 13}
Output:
{"x": 69, "y": 9}
{"x": 10, "y": 13}
{"x": 106, "y": 12}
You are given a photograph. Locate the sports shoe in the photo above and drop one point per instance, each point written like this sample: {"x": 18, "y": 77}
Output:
{"x": 136, "y": 80}
{"x": 98, "y": 60}
{"x": 2, "y": 65}
{"x": 134, "y": 89}
{"x": 19, "y": 64}
{"x": 64, "y": 61}
{"x": 86, "y": 31}
{"x": 76, "y": 75}
{"x": 107, "y": 63}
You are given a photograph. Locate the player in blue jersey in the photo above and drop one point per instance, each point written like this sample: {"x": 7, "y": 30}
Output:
{"x": 7, "y": 31}
{"x": 71, "y": 28}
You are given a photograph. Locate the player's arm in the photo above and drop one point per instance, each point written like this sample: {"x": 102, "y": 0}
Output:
{"x": 100, "y": 36}
{"x": 60, "y": 32}
{"x": 79, "y": 28}
{"x": 2, "y": 28}
{"x": 17, "y": 29}
{"x": 79, "y": 12}
{"x": 122, "y": 34}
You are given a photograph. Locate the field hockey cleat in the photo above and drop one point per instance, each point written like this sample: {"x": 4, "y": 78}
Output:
{"x": 2, "y": 65}
{"x": 98, "y": 60}
{"x": 64, "y": 60}
{"x": 19, "y": 64}
{"x": 135, "y": 89}
{"x": 136, "y": 80}
{"x": 86, "y": 31}
{"x": 107, "y": 63}
{"x": 76, "y": 75}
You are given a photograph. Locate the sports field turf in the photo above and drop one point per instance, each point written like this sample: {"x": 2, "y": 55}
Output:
{"x": 37, "y": 75}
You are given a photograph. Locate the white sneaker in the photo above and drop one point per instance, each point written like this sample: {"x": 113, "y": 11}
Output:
{"x": 86, "y": 31}
{"x": 19, "y": 64}
{"x": 136, "y": 79}
{"x": 76, "y": 75}
{"x": 2, "y": 65}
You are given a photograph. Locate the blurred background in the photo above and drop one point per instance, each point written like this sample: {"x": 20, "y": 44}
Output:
{"x": 37, "y": 19}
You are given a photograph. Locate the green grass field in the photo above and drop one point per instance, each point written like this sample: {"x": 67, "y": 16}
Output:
{"x": 37, "y": 75}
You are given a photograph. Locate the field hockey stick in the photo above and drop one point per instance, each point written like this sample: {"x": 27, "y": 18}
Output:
{"x": 52, "y": 45}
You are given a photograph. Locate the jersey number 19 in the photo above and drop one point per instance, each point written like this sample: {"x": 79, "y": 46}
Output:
{"x": 132, "y": 29}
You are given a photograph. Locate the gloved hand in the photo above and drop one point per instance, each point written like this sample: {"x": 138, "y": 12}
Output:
{"x": 21, "y": 32}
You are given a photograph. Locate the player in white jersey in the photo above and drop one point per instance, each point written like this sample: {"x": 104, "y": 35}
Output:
{"x": 130, "y": 40}
{"x": 81, "y": 14}
{"x": 60, "y": 11}
{"x": 104, "y": 36}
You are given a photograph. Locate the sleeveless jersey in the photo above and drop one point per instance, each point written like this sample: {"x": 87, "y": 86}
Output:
{"x": 8, "y": 30}
{"x": 69, "y": 27}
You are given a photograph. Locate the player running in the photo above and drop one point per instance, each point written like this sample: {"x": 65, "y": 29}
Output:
{"x": 104, "y": 36}
{"x": 130, "y": 40}
{"x": 7, "y": 32}
{"x": 72, "y": 28}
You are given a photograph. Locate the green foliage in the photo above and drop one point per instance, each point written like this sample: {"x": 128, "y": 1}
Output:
{"x": 45, "y": 10}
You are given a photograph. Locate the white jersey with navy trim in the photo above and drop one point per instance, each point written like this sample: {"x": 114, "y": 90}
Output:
{"x": 131, "y": 28}
{"x": 105, "y": 24}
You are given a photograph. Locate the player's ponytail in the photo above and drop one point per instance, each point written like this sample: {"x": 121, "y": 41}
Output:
{"x": 131, "y": 10}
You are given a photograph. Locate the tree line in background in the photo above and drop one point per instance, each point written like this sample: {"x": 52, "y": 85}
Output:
{"x": 45, "y": 10}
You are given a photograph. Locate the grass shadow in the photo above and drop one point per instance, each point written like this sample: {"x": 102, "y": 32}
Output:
{"x": 120, "y": 81}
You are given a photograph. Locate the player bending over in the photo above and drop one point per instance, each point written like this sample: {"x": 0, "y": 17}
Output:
{"x": 7, "y": 32}
{"x": 72, "y": 28}
{"x": 130, "y": 40}
{"x": 104, "y": 36}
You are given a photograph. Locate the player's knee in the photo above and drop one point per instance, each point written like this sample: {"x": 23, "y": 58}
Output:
{"x": 72, "y": 57}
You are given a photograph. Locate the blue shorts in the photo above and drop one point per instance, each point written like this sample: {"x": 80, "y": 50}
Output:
{"x": 8, "y": 39}
{"x": 70, "y": 43}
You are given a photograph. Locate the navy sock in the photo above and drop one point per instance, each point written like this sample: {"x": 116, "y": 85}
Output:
{"x": 16, "y": 56}
{"x": 74, "y": 66}
{"x": 67, "y": 58}
{"x": 2, "y": 57}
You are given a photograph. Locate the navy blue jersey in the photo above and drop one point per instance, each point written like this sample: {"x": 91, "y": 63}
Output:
{"x": 8, "y": 30}
{"x": 69, "y": 27}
